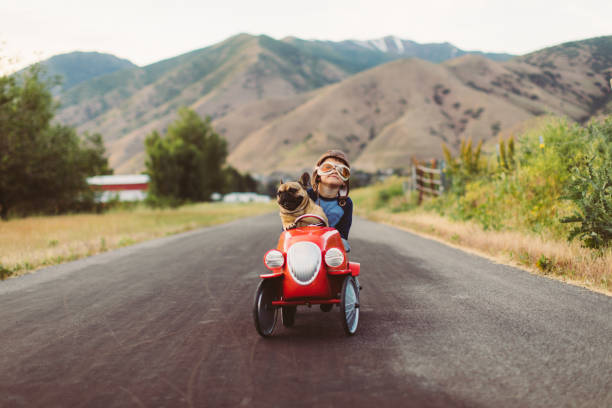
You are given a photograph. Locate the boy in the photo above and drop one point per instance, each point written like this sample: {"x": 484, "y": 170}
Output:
{"x": 330, "y": 188}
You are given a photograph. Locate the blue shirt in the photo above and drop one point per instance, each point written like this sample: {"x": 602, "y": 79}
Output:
{"x": 339, "y": 217}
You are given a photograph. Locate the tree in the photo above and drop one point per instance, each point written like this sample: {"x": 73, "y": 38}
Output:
{"x": 235, "y": 181}
{"x": 43, "y": 167}
{"x": 186, "y": 164}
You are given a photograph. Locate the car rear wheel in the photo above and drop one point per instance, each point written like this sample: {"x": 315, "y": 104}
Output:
{"x": 264, "y": 313}
{"x": 289, "y": 315}
{"x": 349, "y": 305}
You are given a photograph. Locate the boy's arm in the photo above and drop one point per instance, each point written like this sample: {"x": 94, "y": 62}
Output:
{"x": 344, "y": 225}
{"x": 311, "y": 193}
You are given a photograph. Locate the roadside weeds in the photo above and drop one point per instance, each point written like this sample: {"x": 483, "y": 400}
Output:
{"x": 567, "y": 262}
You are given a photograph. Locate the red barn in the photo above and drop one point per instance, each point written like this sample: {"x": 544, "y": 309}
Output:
{"x": 124, "y": 187}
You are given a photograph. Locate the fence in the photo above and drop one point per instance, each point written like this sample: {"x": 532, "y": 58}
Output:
{"x": 428, "y": 177}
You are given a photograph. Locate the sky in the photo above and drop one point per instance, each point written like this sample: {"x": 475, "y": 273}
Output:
{"x": 149, "y": 31}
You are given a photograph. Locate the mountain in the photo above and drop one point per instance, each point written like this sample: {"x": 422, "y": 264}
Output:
{"x": 570, "y": 79}
{"x": 390, "y": 48}
{"x": 77, "y": 67}
{"x": 384, "y": 116}
{"x": 280, "y": 103}
{"x": 126, "y": 105}
{"x": 380, "y": 118}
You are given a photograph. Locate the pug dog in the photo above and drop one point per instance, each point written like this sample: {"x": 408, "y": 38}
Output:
{"x": 293, "y": 201}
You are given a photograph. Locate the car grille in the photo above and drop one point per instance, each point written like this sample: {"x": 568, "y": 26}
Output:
{"x": 304, "y": 262}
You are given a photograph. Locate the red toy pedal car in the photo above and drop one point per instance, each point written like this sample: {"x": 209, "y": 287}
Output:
{"x": 309, "y": 267}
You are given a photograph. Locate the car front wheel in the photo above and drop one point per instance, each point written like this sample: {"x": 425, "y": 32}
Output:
{"x": 349, "y": 305}
{"x": 264, "y": 313}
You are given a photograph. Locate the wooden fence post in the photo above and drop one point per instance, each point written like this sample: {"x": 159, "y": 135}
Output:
{"x": 432, "y": 185}
{"x": 419, "y": 174}
{"x": 424, "y": 177}
{"x": 442, "y": 176}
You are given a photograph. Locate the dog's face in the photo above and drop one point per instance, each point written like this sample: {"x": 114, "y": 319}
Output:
{"x": 292, "y": 194}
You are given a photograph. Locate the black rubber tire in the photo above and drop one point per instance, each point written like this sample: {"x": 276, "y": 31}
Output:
{"x": 288, "y": 315}
{"x": 264, "y": 314}
{"x": 326, "y": 307}
{"x": 349, "y": 305}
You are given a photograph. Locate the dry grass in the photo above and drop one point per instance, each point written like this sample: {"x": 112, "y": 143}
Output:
{"x": 558, "y": 259}
{"x": 30, "y": 243}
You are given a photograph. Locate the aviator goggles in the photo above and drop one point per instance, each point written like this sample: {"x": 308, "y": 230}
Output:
{"x": 327, "y": 168}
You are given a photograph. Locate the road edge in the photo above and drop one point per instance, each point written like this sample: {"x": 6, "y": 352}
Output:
{"x": 499, "y": 259}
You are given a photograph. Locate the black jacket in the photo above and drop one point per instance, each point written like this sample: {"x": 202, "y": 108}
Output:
{"x": 344, "y": 225}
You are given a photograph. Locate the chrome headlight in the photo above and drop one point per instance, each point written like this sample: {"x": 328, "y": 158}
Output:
{"x": 334, "y": 257}
{"x": 304, "y": 262}
{"x": 274, "y": 259}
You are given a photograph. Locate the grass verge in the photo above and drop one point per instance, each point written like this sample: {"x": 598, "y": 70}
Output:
{"x": 537, "y": 253}
{"x": 31, "y": 243}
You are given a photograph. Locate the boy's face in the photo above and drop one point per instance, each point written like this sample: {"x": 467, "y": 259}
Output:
{"x": 333, "y": 179}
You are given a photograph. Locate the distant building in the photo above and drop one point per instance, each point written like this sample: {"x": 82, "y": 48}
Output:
{"x": 124, "y": 187}
{"x": 245, "y": 198}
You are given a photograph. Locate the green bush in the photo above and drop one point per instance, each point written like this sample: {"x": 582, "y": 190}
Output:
{"x": 464, "y": 168}
{"x": 590, "y": 188}
{"x": 392, "y": 196}
{"x": 544, "y": 263}
{"x": 506, "y": 157}
{"x": 556, "y": 180}
{"x": 384, "y": 196}
{"x": 524, "y": 188}
{"x": 5, "y": 272}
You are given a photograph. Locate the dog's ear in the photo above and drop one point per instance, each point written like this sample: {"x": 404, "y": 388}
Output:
{"x": 281, "y": 182}
{"x": 305, "y": 180}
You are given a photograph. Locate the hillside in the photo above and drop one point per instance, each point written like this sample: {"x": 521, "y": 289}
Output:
{"x": 77, "y": 67}
{"x": 388, "y": 114}
{"x": 380, "y": 117}
{"x": 127, "y": 105}
{"x": 294, "y": 98}
{"x": 570, "y": 79}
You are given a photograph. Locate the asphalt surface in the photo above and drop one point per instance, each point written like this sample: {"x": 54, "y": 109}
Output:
{"x": 168, "y": 323}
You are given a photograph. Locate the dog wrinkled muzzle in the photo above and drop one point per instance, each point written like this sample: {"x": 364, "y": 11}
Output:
{"x": 289, "y": 201}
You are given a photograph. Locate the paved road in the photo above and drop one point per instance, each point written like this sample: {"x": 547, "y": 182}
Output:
{"x": 168, "y": 323}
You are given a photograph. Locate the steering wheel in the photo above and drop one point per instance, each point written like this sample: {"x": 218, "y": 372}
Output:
{"x": 301, "y": 217}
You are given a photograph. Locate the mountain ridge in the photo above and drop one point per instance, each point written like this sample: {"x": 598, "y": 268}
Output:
{"x": 253, "y": 87}
{"x": 77, "y": 67}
